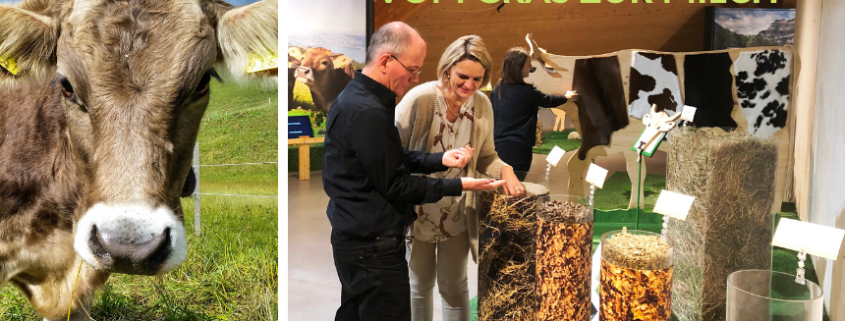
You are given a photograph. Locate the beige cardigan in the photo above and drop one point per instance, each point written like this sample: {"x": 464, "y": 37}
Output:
{"x": 413, "y": 119}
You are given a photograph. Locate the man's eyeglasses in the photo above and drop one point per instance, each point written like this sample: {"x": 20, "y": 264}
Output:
{"x": 416, "y": 72}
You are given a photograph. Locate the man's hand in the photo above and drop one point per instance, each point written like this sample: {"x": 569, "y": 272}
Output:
{"x": 480, "y": 184}
{"x": 512, "y": 186}
{"x": 458, "y": 158}
{"x": 572, "y": 95}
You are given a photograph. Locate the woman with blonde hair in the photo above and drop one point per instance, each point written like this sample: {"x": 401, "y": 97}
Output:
{"x": 515, "y": 105}
{"x": 434, "y": 117}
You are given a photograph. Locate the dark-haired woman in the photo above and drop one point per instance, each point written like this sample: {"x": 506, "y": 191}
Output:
{"x": 515, "y": 106}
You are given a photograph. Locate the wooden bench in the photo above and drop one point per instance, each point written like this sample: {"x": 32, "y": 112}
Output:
{"x": 304, "y": 145}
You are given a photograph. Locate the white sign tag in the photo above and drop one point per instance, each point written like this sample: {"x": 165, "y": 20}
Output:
{"x": 674, "y": 205}
{"x": 555, "y": 155}
{"x": 688, "y": 114}
{"x": 815, "y": 239}
{"x": 596, "y": 175}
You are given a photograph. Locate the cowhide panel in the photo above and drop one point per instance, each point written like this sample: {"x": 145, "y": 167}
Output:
{"x": 654, "y": 80}
{"x": 762, "y": 81}
{"x": 708, "y": 86}
{"x": 601, "y": 108}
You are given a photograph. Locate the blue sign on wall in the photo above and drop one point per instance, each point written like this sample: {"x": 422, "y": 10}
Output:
{"x": 299, "y": 126}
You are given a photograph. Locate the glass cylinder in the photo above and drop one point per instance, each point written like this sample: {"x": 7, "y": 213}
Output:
{"x": 507, "y": 241}
{"x": 564, "y": 258}
{"x": 763, "y": 295}
{"x": 636, "y": 276}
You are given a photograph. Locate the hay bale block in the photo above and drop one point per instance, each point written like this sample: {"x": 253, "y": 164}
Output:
{"x": 506, "y": 267}
{"x": 564, "y": 261}
{"x": 636, "y": 277}
{"x": 730, "y": 226}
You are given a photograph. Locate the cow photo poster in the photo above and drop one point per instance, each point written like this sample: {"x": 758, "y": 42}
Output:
{"x": 327, "y": 43}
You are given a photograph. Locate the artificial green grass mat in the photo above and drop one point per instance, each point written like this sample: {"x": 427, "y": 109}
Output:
{"x": 617, "y": 191}
{"x": 559, "y": 139}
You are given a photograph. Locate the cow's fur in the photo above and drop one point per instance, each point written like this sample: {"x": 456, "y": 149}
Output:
{"x": 762, "y": 83}
{"x": 708, "y": 86}
{"x": 654, "y": 80}
{"x": 97, "y": 132}
{"x": 601, "y": 109}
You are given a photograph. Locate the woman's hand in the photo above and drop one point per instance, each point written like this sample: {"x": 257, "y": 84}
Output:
{"x": 512, "y": 185}
{"x": 480, "y": 184}
{"x": 458, "y": 158}
{"x": 572, "y": 95}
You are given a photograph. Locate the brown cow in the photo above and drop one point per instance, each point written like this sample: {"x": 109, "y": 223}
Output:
{"x": 101, "y": 105}
{"x": 326, "y": 74}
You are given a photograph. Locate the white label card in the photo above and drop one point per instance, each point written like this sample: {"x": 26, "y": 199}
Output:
{"x": 596, "y": 175}
{"x": 555, "y": 155}
{"x": 815, "y": 239}
{"x": 674, "y": 205}
{"x": 688, "y": 114}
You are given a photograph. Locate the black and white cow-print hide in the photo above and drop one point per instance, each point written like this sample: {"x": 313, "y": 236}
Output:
{"x": 654, "y": 80}
{"x": 762, "y": 85}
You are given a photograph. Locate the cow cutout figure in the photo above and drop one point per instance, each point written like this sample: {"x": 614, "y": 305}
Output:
{"x": 745, "y": 89}
{"x": 657, "y": 124}
{"x": 97, "y": 128}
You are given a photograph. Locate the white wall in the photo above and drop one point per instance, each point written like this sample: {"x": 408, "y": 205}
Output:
{"x": 827, "y": 183}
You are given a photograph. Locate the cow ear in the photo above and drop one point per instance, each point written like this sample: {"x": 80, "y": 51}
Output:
{"x": 295, "y": 53}
{"x": 293, "y": 62}
{"x": 249, "y": 34}
{"x": 27, "y": 45}
{"x": 341, "y": 61}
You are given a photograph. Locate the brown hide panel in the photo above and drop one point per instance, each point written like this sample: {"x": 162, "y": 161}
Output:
{"x": 601, "y": 108}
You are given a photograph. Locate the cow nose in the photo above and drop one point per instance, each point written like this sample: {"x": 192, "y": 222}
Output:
{"x": 131, "y": 239}
{"x": 131, "y": 254}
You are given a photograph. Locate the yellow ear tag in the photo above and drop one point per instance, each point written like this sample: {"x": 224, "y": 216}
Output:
{"x": 9, "y": 64}
{"x": 258, "y": 63}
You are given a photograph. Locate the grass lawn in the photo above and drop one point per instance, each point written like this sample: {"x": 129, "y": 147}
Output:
{"x": 232, "y": 268}
{"x": 559, "y": 139}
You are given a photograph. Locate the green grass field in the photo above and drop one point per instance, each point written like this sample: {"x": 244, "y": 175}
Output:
{"x": 232, "y": 268}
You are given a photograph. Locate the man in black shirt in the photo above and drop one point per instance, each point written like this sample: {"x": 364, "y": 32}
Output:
{"x": 367, "y": 175}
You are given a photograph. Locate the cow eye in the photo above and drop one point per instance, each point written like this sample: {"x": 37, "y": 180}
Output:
{"x": 533, "y": 69}
{"x": 325, "y": 63}
{"x": 203, "y": 86}
{"x": 67, "y": 89}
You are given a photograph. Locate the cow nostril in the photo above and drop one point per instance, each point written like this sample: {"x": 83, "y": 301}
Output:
{"x": 128, "y": 255}
{"x": 97, "y": 247}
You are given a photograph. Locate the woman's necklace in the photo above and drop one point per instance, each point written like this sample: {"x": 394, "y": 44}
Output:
{"x": 448, "y": 107}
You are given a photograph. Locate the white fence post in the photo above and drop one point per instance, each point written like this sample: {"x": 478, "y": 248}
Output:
{"x": 197, "y": 190}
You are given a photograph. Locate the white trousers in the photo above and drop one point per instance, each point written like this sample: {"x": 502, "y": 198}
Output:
{"x": 446, "y": 263}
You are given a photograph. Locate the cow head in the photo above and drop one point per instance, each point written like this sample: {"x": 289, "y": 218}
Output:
{"x": 133, "y": 77}
{"x": 539, "y": 54}
{"x": 317, "y": 63}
